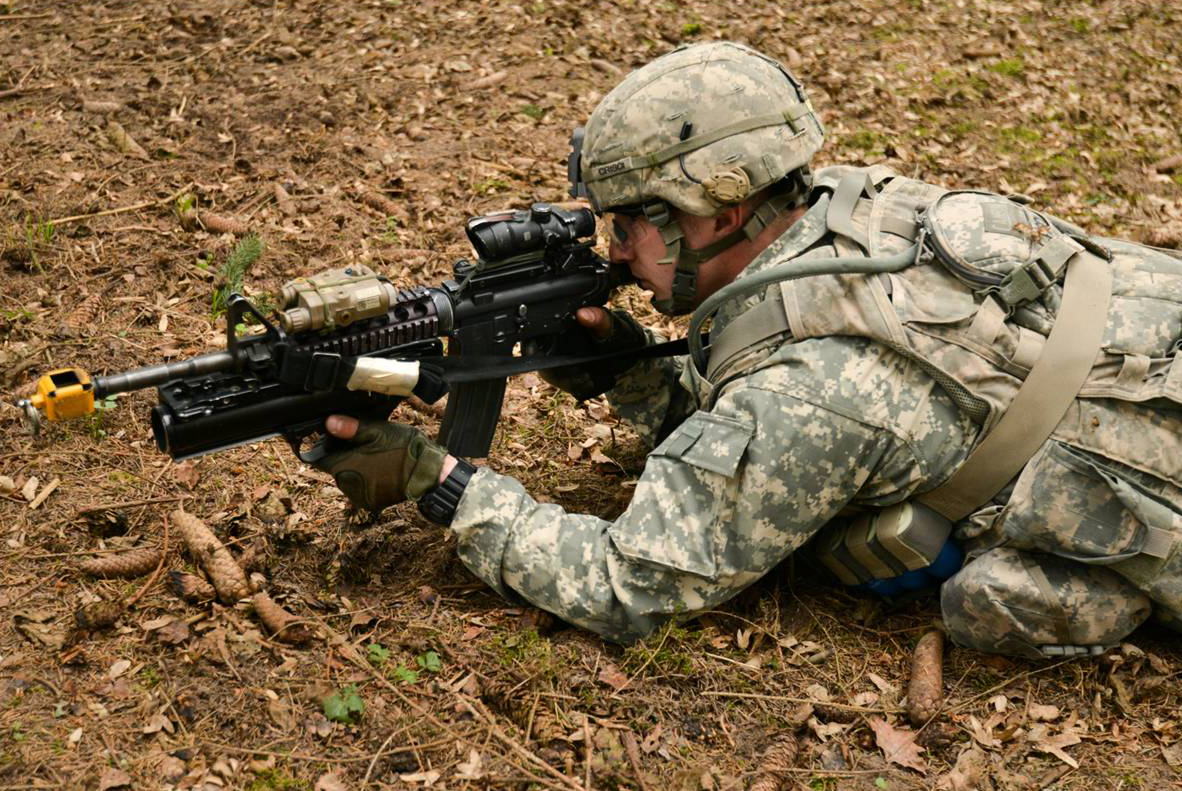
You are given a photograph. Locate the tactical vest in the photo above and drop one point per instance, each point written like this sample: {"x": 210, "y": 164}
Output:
{"x": 978, "y": 336}
{"x": 975, "y": 310}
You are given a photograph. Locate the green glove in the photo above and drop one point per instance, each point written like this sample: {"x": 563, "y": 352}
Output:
{"x": 384, "y": 464}
{"x": 594, "y": 379}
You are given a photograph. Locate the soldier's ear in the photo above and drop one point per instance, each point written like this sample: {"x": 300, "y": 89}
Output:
{"x": 728, "y": 221}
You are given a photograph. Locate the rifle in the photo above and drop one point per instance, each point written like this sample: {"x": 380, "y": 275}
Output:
{"x": 348, "y": 341}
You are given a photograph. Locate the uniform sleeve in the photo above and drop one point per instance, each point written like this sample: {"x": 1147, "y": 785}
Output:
{"x": 723, "y": 499}
{"x": 649, "y": 397}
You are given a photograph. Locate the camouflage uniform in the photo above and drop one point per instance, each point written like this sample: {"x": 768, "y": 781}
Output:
{"x": 747, "y": 467}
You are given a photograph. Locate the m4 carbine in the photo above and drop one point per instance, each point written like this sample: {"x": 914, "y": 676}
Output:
{"x": 348, "y": 341}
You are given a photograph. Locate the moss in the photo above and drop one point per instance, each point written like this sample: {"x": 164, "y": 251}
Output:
{"x": 865, "y": 140}
{"x": 1009, "y": 67}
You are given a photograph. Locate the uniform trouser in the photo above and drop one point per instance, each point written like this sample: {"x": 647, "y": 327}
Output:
{"x": 1036, "y": 605}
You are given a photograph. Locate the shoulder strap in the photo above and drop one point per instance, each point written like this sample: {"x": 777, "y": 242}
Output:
{"x": 1044, "y": 397}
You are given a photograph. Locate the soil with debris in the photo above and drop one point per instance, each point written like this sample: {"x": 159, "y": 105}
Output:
{"x": 140, "y": 139}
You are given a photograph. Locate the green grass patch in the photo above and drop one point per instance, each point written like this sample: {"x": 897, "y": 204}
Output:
{"x": 1009, "y": 67}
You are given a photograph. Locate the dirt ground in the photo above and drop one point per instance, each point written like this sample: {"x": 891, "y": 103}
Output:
{"x": 369, "y": 131}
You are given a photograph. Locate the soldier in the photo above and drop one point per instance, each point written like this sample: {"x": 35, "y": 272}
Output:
{"x": 927, "y": 361}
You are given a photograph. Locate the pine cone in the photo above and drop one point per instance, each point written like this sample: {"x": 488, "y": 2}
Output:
{"x": 925, "y": 693}
{"x": 125, "y": 564}
{"x": 227, "y": 577}
{"x": 81, "y": 319}
{"x": 282, "y": 625}
{"x": 98, "y": 615}
{"x": 776, "y": 764}
{"x": 190, "y": 587}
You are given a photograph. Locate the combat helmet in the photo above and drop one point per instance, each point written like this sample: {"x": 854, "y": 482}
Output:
{"x": 700, "y": 129}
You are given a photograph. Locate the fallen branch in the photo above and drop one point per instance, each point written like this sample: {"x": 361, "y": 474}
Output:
{"x": 26, "y": 89}
{"x": 122, "y": 209}
{"x": 132, "y": 504}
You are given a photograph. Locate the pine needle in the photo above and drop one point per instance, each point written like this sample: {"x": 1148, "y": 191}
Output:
{"x": 244, "y": 254}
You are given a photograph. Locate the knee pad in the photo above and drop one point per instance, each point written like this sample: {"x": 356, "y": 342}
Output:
{"x": 1034, "y": 605}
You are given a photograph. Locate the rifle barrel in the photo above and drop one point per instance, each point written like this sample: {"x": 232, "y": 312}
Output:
{"x": 153, "y": 375}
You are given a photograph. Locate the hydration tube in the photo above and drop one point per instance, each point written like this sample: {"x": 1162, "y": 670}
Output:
{"x": 794, "y": 270}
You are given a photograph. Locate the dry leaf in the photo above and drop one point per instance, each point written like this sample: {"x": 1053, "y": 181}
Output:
{"x": 1042, "y": 741}
{"x": 174, "y": 633}
{"x": 983, "y": 732}
{"x": 1173, "y": 754}
{"x": 472, "y": 769}
{"x": 426, "y": 778}
{"x": 613, "y": 677}
{"x": 898, "y": 744}
{"x": 38, "y": 627}
{"x": 282, "y": 715}
{"x": 652, "y": 740}
{"x": 1042, "y": 713}
{"x": 967, "y": 774}
{"x": 158, "y": 723}
{"x": 113, "y": 778}
{"x": 119, "y": 668}
{"x": 331, "y": 781}
{"x": 186, "y": 474}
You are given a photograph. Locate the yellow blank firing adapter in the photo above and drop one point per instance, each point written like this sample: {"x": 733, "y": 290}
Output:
{"x": 61, "y": 394}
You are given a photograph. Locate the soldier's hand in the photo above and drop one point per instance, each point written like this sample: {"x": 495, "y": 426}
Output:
{"x": 377, "y": 464}
{"x": 596, "y": 321}
{"x": 605, "y": 332}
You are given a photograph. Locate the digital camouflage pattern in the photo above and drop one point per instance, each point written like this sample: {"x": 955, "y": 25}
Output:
{"x": 747, "y": 468}
{"x": 695, "y": 98}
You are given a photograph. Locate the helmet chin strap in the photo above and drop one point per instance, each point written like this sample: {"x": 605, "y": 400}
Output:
{"x": 688, "y": 260}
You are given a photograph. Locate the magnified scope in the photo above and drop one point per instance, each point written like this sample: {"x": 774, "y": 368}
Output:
{"x": 496, "y": 237}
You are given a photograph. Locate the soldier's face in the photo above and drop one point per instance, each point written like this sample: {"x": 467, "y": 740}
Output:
{"x": 635, "y": 241}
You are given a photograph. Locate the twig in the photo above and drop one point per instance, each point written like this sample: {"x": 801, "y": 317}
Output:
{"x": 16, "y": 17}
{"x": 1003, "y": 684}
{"x": 790, "y": 699}
{"x": 473, "y": 707}
{"x": 478, "y": 711}
{"x": 381, "y": 751}
{"x": 634, "y": 759}
{"x": 29, "y": 89}
{"x": 587, "y": 752}
{"x": 132, "y": 503}
{"x": 648, "y": 660}
{"x": 155, "y": 574}
{"x": 123, "y": 209}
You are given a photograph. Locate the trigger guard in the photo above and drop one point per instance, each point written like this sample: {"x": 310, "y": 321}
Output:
{"x": 315, "y": 453}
